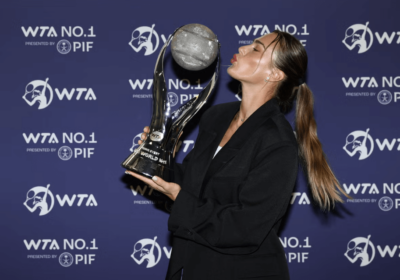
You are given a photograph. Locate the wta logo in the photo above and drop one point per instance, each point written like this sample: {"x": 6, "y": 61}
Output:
{"x": 147, "y": 250}
{"x": 359, "y": 142}
{"x": 360, "y": 249}
{"x": 39, "y": 198}
{"x": 358, "y": 35}
{"x": 40, "y": 92}
{"x": 361, "y": 36}
{"x": 146, "y": 38}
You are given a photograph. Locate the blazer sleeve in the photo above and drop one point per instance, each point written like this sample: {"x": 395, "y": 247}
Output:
{"x": 240, "y": 228}
{"x": 179, "y": 169}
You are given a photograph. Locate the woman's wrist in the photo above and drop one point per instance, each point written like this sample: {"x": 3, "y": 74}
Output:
{"x": 174, "y": 194}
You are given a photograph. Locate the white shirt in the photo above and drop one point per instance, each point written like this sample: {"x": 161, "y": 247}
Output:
{"x": 219, "y": 148}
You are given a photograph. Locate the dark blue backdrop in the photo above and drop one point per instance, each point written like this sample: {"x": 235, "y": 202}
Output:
{"x": 68, "y": 210}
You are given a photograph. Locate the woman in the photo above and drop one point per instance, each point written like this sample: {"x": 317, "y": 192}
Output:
{"x": 229, "y": 201}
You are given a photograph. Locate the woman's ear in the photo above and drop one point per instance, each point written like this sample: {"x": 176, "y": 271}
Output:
{"x": 277, "y": 75}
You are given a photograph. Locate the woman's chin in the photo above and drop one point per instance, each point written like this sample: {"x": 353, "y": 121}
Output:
{"x": 231, "y": 72}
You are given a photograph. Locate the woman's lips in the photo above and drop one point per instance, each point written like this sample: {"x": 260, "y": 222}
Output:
{"x": 233, "y": 59}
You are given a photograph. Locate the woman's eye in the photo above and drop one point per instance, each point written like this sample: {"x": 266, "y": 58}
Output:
{"x": 255, "y": 49}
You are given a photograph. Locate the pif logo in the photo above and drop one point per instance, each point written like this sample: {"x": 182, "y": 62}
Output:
{"x": 64, "y": 152}
{"x": 63, "y": 46}
{"x": 41, "y": 92}
{"x": 173, "y": 98}
{"x": 386, "y": 203}
{"x": 365, "y": 86}
{"x": 46, "y": 249}
{"x": 66, "y": 259}
{"x": 260, "y": 30}
{"x": 385, "y": 97}
{"x": 173, "y": 84}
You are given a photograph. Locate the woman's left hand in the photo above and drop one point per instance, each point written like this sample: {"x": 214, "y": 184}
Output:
{"x": 169, "y": 189}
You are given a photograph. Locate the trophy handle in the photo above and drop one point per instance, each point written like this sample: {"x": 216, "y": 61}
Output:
{"x": 162, "y": 107}
{"x": 199, "y": 100}
{"x": 155, "y": 155}
{"x": 190, "y": 108}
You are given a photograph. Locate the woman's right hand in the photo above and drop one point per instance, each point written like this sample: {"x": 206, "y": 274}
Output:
{"x": 146, "y": 131}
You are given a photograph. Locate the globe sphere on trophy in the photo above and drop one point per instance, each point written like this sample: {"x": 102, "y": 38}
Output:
{"x": 194, "y": 47}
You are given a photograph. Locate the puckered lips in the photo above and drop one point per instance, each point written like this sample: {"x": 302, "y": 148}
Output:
{"x": 234, "y": 59}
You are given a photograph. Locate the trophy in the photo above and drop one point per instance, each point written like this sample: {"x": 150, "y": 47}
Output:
{"x": 193, "y": 47}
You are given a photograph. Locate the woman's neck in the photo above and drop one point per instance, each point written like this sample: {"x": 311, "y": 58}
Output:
{"x": 253, "y": 97}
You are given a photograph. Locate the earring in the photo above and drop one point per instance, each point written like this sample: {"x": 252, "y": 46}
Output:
{"x": 266, "y": 80}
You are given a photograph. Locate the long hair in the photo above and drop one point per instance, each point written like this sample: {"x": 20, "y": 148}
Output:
{"x": 290, "y": 57}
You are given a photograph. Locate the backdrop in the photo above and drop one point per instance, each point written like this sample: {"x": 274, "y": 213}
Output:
{"x": 76, "y": 88}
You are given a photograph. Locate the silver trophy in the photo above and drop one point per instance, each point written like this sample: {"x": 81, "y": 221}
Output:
{"x": 194, "y": 47}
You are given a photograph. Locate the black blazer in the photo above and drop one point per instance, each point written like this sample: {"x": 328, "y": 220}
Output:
{"x": 225, "y": 219}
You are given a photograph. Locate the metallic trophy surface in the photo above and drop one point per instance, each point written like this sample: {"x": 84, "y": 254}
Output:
{"x": 154, "y": 156}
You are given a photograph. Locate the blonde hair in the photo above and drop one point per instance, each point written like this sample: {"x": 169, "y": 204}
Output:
{"x": 290, "y": 57}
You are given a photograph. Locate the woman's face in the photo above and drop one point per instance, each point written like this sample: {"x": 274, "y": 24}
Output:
{"x": 253, "y": 62}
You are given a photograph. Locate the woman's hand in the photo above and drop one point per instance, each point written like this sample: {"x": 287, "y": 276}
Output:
{"x": 169, "y": 189}
{"x": 146, "y": 131}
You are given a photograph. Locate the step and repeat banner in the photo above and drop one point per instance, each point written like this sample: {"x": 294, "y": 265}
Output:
{"x": 76, "y": 89}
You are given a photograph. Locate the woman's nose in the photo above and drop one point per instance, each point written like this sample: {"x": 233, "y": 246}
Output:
{"x": 242, "y": 50}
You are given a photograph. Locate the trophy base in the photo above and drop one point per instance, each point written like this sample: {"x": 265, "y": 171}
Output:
{"x": 147, "y": 168}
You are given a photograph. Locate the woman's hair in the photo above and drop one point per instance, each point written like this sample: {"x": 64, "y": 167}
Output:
{"x": 290, "y": 57}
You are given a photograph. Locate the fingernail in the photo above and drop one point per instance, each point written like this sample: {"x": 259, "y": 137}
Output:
{"x": 154, "y": 178}
{"x": 127, "y": 172}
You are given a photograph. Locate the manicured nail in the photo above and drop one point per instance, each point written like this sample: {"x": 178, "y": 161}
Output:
{"x": 154, "y": 178}
{"x": 127, "y": 172}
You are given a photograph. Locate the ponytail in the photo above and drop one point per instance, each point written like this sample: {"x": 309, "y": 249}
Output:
{"x": 325, "y": 187}
{"x": 290, "y": 57}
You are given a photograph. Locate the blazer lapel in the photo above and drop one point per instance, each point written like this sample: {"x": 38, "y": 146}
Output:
{"x": 239, "y": 138}
{"x": 211, "y": 135}
{"x": 253, "y": 123}
{"x": 221, "y": 158}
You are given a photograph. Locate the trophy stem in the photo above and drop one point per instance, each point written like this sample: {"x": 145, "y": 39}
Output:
{"x": 154, "y": 157}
